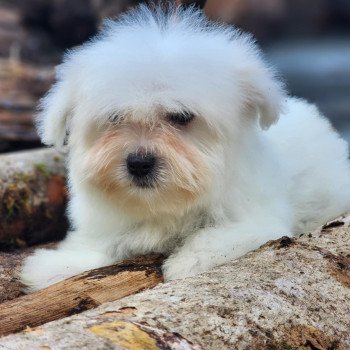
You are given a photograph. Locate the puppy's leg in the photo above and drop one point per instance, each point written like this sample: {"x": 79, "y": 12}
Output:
{"x": 214, "y": 246}
{"x": 73, "y": 256}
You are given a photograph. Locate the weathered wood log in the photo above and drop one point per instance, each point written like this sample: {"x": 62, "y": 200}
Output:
{"x": 33, "y": 197}
{"x": 24, "y": 82}
{"x": 16, "y": 122}
{"x": 10, "y": 30}
{"x": 10, "y": 263}
{"x": 80, "y": 293}
{"x": 289, "y": 294}
{"x": 21, "y": 86}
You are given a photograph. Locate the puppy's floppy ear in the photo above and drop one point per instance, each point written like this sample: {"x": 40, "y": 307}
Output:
{"x": 262, "y": 91}
{"x": 54, "y": 111}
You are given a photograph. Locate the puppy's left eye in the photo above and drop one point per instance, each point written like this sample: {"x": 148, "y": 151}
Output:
{"x": 182, "y": 118}
{"x": 114, "y": 118}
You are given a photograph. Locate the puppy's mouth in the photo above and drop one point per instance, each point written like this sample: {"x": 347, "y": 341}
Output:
{"x": 144, "y": 183}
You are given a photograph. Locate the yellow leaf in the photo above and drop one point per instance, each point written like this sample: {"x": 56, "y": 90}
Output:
{"x": 125, "y": 334}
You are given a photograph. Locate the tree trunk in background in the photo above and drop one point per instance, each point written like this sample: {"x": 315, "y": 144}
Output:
{"x": 33, "y": 197}
{"x": 289, "y": 294}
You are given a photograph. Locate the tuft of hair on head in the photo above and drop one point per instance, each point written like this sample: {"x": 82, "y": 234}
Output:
{"x": 262, "y": 93}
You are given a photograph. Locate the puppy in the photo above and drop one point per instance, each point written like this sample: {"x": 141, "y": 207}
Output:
{"x": 182, "y": 141}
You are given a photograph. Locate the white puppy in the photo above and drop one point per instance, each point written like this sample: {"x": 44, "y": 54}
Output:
{"x": 182, "y": 141}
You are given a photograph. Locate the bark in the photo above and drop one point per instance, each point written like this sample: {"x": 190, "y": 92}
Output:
{"x": 21, "y": 86}
{"x": 80, "y": 293}
{"x": 33, "y": 197}
{"x": 289, "y": 294}
{"x": 10, "y": 263}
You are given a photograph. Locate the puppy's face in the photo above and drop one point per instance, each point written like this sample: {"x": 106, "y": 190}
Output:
{"x": 157, "y": 107}
{"x": 160, "y": 163}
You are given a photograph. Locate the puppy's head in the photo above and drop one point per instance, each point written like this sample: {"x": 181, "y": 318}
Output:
{"x": 156, "y": 107}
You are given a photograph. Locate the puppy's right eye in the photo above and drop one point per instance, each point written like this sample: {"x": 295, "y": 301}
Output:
{"x": 114, "y": 118}
{"x": 182, "y": 118}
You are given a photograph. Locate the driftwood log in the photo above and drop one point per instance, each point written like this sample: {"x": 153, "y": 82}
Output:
{"x": 33, "y": 197}
{"x": 289, "y": 294}
{"x": 80, "y": 293}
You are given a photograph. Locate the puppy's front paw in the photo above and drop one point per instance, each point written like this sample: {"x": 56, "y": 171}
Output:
{"x": 179, "y": 266}
{"x": 47, "y": 267}
{"x": 44, "y": 268}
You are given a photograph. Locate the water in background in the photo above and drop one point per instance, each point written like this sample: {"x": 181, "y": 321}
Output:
{"x": 318, "y": 70}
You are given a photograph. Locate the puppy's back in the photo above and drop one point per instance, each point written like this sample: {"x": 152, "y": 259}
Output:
{"x": 316, "y": 159}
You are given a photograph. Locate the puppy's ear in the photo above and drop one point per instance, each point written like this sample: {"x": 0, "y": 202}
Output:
{"x": 263, "y": 92}
{"x": 54, "y": 111}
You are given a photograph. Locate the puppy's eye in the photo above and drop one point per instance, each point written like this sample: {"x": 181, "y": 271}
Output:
{"x": 182, "y": 118}
{"x": 114, "y": 118}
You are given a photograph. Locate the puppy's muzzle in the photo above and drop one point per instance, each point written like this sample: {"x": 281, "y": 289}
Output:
{"x": 141, "y": 166}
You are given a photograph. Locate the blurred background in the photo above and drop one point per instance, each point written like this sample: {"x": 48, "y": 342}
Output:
{"x": 308, "y": 41}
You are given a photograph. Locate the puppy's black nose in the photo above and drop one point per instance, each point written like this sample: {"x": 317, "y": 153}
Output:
{"x": 139, "y": 164}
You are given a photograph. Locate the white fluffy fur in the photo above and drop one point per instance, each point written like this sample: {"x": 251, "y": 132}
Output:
{"x": 267, "y": 178}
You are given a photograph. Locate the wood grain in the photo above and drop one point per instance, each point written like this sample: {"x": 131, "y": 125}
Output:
{"x": 82, "y": 292}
